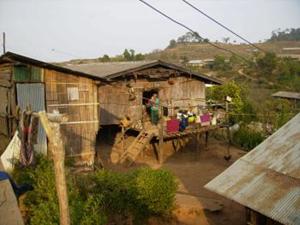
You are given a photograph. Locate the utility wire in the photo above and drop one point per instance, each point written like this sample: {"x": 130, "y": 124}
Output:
{"x": 191, "y": 30}
{"x": 225, "y": 27}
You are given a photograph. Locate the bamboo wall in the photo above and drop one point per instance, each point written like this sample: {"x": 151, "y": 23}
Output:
{"x": 82, "y": 110}
{"x": 115, "y": 103}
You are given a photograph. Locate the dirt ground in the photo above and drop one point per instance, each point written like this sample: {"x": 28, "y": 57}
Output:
{"x": 194, "y": 204}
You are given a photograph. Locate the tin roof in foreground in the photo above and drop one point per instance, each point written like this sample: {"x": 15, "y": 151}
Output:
{"x": 287, "y": 94}
{"x": 267, "y": 179}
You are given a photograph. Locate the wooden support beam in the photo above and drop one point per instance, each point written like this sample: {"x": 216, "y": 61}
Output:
{"x": 51, "y": 124}
{"x": 161, "y": 140}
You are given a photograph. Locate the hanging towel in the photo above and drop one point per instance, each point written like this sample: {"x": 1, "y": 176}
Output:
{"x": 28, "y": 129}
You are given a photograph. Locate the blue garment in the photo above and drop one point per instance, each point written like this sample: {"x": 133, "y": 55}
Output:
{"x": 19, "y": 190}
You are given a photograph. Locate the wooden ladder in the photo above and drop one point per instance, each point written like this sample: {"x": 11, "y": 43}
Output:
{"x": 136, "y": 147}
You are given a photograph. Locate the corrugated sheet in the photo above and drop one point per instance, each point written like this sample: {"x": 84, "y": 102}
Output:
{"x": 287, "y": 94}
{"x": 108, "y": 68}
{"x": 33, "y": 95}
{"x": 267, "y": 179}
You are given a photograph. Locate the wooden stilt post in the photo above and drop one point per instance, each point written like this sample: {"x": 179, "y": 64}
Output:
{"x": 161, "y": 139}
{"x": 51, "y": 124}
{"x": 198, "y": 141}
{"x": 206, "y": 139}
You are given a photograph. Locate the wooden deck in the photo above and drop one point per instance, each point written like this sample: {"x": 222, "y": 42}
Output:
{"x": 192, "y": 129}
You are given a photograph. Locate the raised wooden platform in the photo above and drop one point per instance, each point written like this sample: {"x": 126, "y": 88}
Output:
{"x": 191, "y": 130}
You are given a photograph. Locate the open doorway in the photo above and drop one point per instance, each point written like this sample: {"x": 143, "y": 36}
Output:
{"x": 147, "y": 94}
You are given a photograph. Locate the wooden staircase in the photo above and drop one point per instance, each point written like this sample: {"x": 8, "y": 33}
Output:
{"x": 136, "y": 147}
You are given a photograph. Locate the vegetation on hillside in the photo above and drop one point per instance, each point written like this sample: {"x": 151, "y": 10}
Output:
{"x": 98, "y": 198}
{"x": 292, "y": 34}
{"x": 265, "y": 71}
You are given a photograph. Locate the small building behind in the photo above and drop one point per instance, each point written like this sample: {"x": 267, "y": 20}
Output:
{"x": 267, "y": 179}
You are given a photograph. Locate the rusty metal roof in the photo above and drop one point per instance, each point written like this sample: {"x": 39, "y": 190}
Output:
{"x": 111, "y": 70}
{"x": 287, "y": 94}
{"x": 267, "y": 179}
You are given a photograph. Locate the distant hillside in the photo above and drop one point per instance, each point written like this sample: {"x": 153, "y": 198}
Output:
{"x": 193, "y": 51}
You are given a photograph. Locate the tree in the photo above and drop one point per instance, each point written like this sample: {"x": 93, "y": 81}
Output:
{"x": 220, "y": 63}
{"x": 267, "y": 63}
{"x": 129, "y": 55}
{"x": 105, "y": 58}
{"x": 139, "y": 57}
{"x": 205, "y": 40}
{"x": 190, "y": 37}
{"x": 132, "y": 54}
{"x": 126, "y": 55}
{"x": 226, "y": 39}
{"x": 172, "y": 44}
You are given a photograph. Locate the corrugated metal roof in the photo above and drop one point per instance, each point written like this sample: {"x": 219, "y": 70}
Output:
{"x": 267, "y": 179}
{"x": 111, "y": 70}
{"x": 287, "y": 94}
{"x": 13, "y": 57}
{"x": 103, "y": 69}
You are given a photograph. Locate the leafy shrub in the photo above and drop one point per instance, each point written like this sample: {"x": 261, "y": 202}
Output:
{"x": 155, "y": 190}
{"x": 42, "y": 203}
{"x": 134, "y": 195}
{"x": 141, "y": 193}
{"x": 247, "y": 139}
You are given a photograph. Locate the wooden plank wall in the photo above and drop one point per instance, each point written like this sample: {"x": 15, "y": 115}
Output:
{"x": 7, "y": 105}
{"x": 81, "y": 129}
{"x": 115, "y": 102}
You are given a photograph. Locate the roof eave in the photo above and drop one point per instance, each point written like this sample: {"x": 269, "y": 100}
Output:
{"x": 205, "y": 78}
{"x": 13, "y": 57}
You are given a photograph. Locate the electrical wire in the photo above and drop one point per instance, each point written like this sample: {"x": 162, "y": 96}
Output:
{"x": 220, "y": 24}
{"x": 191, "y": 30}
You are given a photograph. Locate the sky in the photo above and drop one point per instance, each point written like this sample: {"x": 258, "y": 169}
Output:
{"x": 58, "y": 30}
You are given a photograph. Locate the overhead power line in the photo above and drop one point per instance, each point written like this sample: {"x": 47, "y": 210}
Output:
{"x": 225, "y": 27}
{"x": 191, "y": 30}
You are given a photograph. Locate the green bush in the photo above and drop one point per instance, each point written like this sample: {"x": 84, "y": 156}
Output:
{"x": 140, "y": 193}
{"x": 155, "y": 190}
{"x": 92, "y": 198}
{"x": 42, "y": 203}
{"x": 247, "y": 139}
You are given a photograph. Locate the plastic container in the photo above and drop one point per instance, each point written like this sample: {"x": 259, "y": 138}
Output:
{"x": 173, "y": 125}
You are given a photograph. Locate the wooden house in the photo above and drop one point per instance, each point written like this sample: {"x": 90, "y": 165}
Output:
{"x": 28, "y": 82}
{"x": 127, "y": 93}
{"x": 85, "y": 91}
{"x": 131, "y": 84}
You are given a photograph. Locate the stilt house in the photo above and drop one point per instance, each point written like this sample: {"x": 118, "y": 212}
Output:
{"x": 131, "y": 84}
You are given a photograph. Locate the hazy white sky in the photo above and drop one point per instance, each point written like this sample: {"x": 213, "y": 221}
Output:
{"x": 91, "y": 28}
